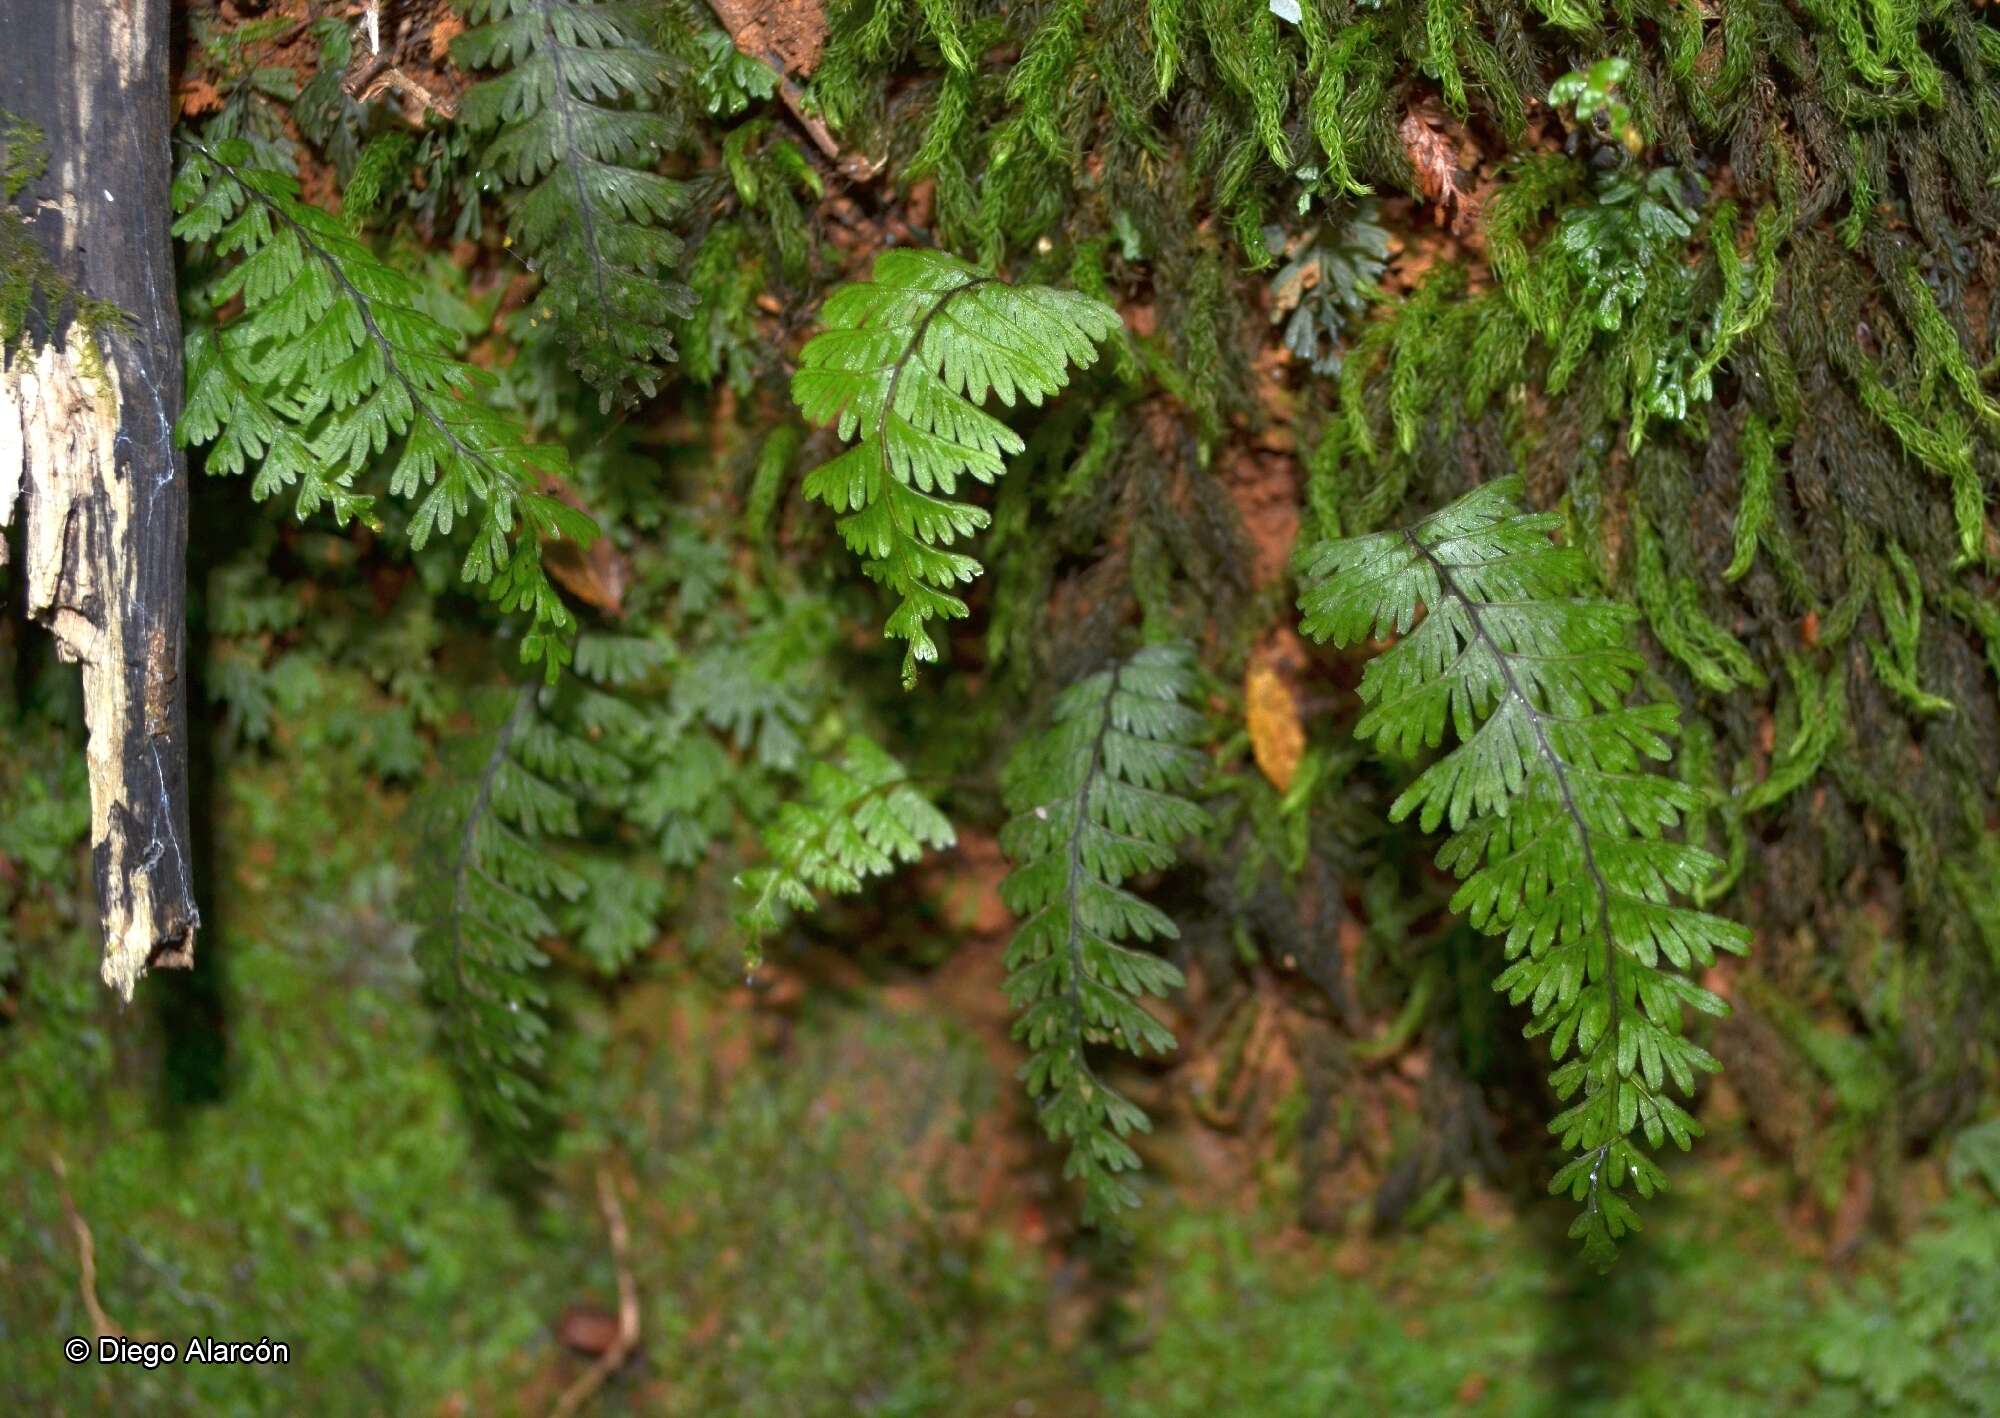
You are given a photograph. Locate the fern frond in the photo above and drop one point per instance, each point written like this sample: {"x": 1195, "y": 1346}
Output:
{"x": 576, "y": 125}
{"x": 905, "y": 361}
{"x": 1559, "y": 831}
{"x": 858, "y": 817}
{"x": 481, "y": 914}
{"x": 1328, "y": 279}
{"x": 330, "y": 363}
{"x": 1098, "y": 798}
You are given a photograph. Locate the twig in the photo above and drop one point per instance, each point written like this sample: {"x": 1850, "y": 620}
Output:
{"x": 855, "y": 166}
{"x": 379, "y": 72}
{"x": 102, "y": 1325}
{"x": 608, "y": 1363}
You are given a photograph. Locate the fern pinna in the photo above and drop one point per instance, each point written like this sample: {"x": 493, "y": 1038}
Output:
{"x": 1098, "y": 799}
{"x": 576, "y": 125}
{"x": 859, "y": 817}
{"x": 905, "y": 361}
{"x": 1558, "y": 832}
{"x": 329, "y": 361}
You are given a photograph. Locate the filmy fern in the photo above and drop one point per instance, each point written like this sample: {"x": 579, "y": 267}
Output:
{"x": 1558, "y": 832}
{"x": 858, "y": 817}
{"x": 1098, "y": 799}
{"x": 481, "y": 913}
{"x": 905, "y": 362}
{"x": 329, "y": 362}
{"x": 577, "y": 125}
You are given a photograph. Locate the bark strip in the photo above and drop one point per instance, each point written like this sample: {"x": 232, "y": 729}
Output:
{"x": 88, "y": 464}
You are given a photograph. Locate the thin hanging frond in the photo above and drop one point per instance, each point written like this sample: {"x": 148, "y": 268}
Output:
{"x": 575, "y": 124}
{"x": 1098, "y": 798}
{"x": 1558, "y": 828}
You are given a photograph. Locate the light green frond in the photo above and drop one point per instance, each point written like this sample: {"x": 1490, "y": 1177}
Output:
{"x": 903, "y": 364}
{"x": 1559, "y": 829}
{"x": 331, "y": 370}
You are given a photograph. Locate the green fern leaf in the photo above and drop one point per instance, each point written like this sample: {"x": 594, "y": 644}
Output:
{"x": 904, "y": 363}
{"x": 1098, "y": 799}
{"x": 858, "y": 817}
{"x": 576, "y": 126}
{"x": 1559, "y": 831}
{"x": 492, "y": 825}
{"x": 330, "y": 365}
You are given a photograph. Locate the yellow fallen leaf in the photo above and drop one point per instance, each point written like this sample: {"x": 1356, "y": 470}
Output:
{"x": 1277, "y": 739}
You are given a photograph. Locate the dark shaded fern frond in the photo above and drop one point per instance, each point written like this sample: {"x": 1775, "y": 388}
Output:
{"x": 330, "y": 363}
{"x": 904, "y": 362}
{"x": 1558, "y": 827}
{"x": 1098, "y": 798}
{"x": 576, "y": 126}
{"x": 481, "y": 911}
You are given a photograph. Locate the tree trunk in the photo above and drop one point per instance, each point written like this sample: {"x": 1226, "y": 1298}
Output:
{"x": 86, "y": 445}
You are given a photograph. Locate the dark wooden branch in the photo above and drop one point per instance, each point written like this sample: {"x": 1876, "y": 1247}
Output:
{"x": 88, "y": 446}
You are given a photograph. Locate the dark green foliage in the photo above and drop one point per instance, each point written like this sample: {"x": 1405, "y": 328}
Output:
{"x": 1557, "y": 829}
{"x": 483, "y": 912}
{"x": 1328, "y": 279}
{"x": 329, "y": 362}
{"x": 1098, "y": 798}
{"x": 1724, "y": 297}
{"x": 904, "y": 364}
{"x": 576, "y": 123}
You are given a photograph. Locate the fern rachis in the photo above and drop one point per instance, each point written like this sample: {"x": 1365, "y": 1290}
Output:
{"x": 1558, "y": 834}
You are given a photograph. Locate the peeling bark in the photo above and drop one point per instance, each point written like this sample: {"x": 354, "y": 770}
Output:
{"x": 87, "y": 454}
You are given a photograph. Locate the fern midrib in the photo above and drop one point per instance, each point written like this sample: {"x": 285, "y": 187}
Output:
{"x": 418, "y": 400}
{"x": 910, "y": 352}
{"x": 468, "y": 841}
{"x": 1072, "y": 937}
{"x": 1504, "y": 660}
{"x": 561, "y": 99}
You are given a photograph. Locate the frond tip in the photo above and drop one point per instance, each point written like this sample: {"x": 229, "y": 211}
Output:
{"x": 904, "y": 363}
{"x": 1098, "y": 799}
{"x": 1559, "y": 829}
{"x": 575, "y": 125}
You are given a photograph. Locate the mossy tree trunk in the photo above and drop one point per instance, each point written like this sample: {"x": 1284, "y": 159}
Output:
{"x": 87, "y": 452}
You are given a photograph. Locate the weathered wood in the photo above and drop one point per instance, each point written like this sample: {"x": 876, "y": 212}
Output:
{"x": 88, "y": 447}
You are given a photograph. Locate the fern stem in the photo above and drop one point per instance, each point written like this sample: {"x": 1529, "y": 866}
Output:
{"x": 1079, "y": 815}
{"x": 468, "y": 839}
{"x": 1503, "y": 660}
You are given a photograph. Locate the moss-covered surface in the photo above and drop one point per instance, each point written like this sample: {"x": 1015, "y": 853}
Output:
{"x": 277, "y": 1150}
